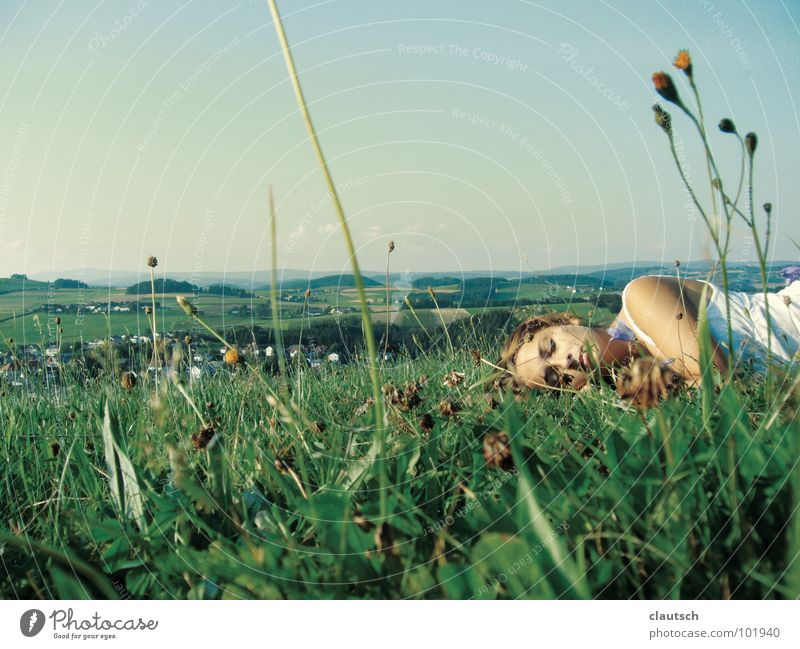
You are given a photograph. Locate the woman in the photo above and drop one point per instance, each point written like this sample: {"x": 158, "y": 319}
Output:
{"x": 659, "y": 318}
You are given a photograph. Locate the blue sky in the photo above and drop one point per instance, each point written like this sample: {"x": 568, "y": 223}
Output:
{"x": 476, "y": 135}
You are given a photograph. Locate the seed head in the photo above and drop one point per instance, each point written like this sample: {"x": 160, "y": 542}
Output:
{"x": 677, "y": 263}
{"x": 768, "y": 208}
{"x": 58, "y": 320}
{"x": 148, "y": 310}
{"x": 188, "y": 308}
{"x": 683, "y": 62}
{"x": 391, "y": 246}
{"x": 10, "y": 341}
{"x": 663, "y": 119}
{"x": 727, "y": 126}
{"x": 431, "y": 293}
{"x": 308, "y": 293}
{"x": 787, "y": 300}
{"x": 750, "y": 143}
{"x": 188, "y": 340}
{"x": 152, "y": 262}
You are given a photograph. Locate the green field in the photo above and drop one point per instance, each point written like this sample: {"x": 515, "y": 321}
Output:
{"x": 17, "y": 311}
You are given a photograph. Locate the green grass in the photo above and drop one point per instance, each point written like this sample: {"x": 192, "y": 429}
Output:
{"x": 590, "y": 510}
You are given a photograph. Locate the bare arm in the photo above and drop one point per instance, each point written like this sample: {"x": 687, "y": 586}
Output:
{"x": 666, "y": 309}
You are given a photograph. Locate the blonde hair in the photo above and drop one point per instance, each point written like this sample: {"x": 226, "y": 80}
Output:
{"x": 507, "y": 376}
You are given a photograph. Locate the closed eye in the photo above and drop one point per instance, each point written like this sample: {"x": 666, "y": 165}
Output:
{"x": 552, "y": 377}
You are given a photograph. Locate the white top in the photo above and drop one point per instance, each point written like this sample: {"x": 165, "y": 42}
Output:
{"x": 748, "y": 322}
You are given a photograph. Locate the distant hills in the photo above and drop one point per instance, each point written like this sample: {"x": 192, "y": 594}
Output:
{"x": 612, "y": 275}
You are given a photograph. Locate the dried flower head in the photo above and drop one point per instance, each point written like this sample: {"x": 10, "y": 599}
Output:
{"x": 148, "y": 310}
{"x": 448, "y": 408}
{"x": 152, "y": 262}
{"x": 787, "y": 300}
{"x": 750, "y": 143}
{"x": 308, "y": 293}
{"x": 646, "y": 382}
{"x": 683, "y": 62}
{"x": 55, "y": 447}
{"x": 426, "y": 422}
{"x": 58, "y": 320}
{"x": 128, "y": 380}
{"x": 768, "y": 208}
{"x": 476, "y": 357}
{"x": 203, "y": 437}
{"x": 231, "y": 356}
{"x": 496, "y": 450}
{"x": 666, "y": 88}
{"x": 187, "y": 340}
{"x": 362, "y": 409}
{"x": 453, "y": 378}
{"x": 10, "y": 341}
{"x": 663, "y": 119}
{"x": 431, "y": 293}
{"x": 677, "y": 263}
{"x": 188, "y": 308}
{"x": 727, "y": 126}
{"x": 391, "y": 246}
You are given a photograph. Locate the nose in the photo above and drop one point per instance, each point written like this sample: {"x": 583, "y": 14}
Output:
{"x": 572, "y": 362}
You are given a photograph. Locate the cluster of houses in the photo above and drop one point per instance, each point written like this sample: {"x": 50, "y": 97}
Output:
{"x": 30, "y": 363}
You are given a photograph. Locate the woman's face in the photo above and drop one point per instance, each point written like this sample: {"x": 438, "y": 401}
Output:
{"x": 554, "y": 353}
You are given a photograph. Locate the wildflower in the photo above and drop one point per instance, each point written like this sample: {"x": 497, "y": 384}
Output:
{"x": 646, "y": 382}
{"x": 152, "y": 262}
{"x": 202, "y": 439}
{"x": 750, "y": 143}
{"x": 188, "y": 308}
{"x": 663, "y": 119}
{"x": 496, "y": 451}
{"x": 128, "y": 380}
{"x": 453, "y": 378}
{"x": 683, "y": 62}
{"x": 391, "y": 246}
{"x": 666, "y": 88}
{"x": 231, "y": 356}
{"x": 727, "y": 126}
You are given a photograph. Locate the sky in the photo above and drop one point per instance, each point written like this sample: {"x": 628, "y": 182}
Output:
{"x": 509, "y": 135}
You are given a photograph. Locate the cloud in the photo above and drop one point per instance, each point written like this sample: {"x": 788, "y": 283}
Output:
{"x": 328, "y": 228}
{"x": 372, "y": 232}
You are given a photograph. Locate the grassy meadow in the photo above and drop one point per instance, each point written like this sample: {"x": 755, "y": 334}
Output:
{"x": 590, "y": 498}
